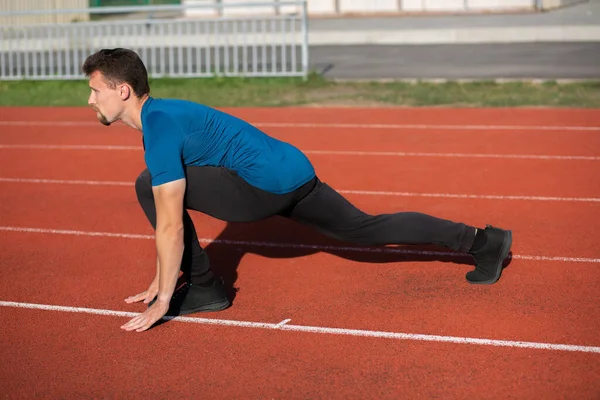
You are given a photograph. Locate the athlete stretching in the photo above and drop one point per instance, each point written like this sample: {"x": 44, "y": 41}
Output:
{"x": 202, "y": 159}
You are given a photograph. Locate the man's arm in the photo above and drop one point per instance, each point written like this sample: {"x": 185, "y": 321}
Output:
{"x": 168, "y": 199}
{"x": 169, "y": 235}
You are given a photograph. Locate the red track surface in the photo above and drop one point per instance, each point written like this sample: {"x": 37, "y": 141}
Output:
{"x": 58, "y": 354}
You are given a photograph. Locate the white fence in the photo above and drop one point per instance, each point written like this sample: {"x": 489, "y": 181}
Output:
{"x": 250, "y": 46}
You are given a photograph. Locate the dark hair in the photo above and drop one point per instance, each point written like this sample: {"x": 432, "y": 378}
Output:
{"x": 117, "y": 66}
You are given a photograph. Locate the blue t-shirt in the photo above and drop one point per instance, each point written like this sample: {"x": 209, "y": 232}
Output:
{"x": 180, "y": 133}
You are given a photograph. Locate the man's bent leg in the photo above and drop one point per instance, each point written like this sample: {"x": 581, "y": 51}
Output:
{"x": 195, "y": 262}
{"x": 222, "y": 194}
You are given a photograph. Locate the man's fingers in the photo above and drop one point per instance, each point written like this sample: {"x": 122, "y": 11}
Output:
{"x": 145, "y": 327}
{"x": 137, "y": 297}
{"x": 134, "y": 323}
{"x": 142, "y": 321}
{"x": 140, "y": 325}
{"x": 149, "y": 298}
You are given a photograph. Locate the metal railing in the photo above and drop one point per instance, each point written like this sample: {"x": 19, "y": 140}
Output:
{"x": 269, "y": 45}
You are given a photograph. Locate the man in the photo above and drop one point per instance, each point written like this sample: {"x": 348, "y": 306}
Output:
{"x": 202, "y": 159}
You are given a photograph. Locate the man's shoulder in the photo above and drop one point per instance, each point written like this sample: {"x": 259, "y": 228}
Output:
{"x": 174, "y": 110}
{"x": 173, "y": 104}
{"x": 159, "y": 113}
{"x": 155, "y": 123}
{"x": 157, "y": 109}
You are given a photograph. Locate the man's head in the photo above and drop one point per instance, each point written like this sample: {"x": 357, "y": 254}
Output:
{"x": 116, "y": 77}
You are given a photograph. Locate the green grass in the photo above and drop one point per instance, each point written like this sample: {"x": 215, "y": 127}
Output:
{"x": 281, "y": 92}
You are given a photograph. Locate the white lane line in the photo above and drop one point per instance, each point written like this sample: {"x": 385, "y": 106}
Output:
{"x": 449, "y": 155}
{"x": 48, "y": 123}
{"x": 380, "y": 250}
{"x": 472, "y": 196}
{"x": 75, "y": 233}
{"x": 66, "y": 182}
{"x": 282, "y": 323}
{"x": 320, "y": 152}
{"x": 69, "y": 147}
{"x": 357, "y": 192}
{"x": 347, "y": 126}
{"x": 429, "y": 127}
{"x": 320, "y": 330}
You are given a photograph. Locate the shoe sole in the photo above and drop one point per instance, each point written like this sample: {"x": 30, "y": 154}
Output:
{"x": 506, "y": 245}
{"x": 216, "y": 306}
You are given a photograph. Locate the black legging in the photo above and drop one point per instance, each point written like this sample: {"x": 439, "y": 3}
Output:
{"x": 222, "y": 194}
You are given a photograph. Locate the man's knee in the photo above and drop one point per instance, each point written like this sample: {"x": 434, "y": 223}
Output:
{"x": 143, "y": 184}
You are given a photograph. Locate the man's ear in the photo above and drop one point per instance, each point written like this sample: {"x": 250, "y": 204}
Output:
{"x": 124, "y": 91}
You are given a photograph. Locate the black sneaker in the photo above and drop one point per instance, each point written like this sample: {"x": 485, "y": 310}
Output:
{"x": 190, "y": 298}
{"x": 489, "y": 259}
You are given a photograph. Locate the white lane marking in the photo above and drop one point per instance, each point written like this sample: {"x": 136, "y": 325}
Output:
{"x": 450, "y": 155}
{"x": 472, "y": 196}
{"x": 322, "y": 152}
{"x": 347, "y": 126}
{"x": 357, "y": 192}
{"x": 318, "y": 329}
{"x": 75, "y": 233}
{"x": 68, "y": 147}
{"x": 282, "y": 323}
{"x": 428, "y": 126}
{"x": 49, "y": 123}
{"x": 381, "y": 250}
{"x": 66, "y": 182}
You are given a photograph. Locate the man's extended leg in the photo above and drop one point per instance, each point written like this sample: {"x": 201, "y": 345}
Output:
{"x": 329, "y": 212}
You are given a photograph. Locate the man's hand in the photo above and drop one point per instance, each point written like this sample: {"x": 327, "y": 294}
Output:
{"x": 145, "y": 320}
{"x": 146, "y": 295}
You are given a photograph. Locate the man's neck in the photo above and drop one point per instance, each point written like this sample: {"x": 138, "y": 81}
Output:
{"x": 132, "y": 116}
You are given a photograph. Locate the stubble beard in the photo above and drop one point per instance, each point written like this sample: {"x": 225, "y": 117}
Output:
{"x": 102, "y": 119}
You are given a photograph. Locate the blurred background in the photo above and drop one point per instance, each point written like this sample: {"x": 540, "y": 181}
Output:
{"x": 337, "y": 40}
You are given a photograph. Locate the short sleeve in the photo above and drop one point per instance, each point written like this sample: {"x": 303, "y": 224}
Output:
{"x": 163, "y": 142}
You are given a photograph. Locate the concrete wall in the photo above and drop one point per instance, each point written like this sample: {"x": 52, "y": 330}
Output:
{"x": 353, "y": 6}
{"x": 341, "y": 7}
{"x": 25, "y": 5}
{"x": 547, "y": 4}
{"x": 501, "y": 4}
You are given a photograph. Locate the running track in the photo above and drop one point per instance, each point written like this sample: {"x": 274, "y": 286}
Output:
{"x": 311, "y": 318}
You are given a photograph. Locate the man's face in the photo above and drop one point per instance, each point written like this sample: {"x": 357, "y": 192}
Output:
{"x": 105, "y": 101}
